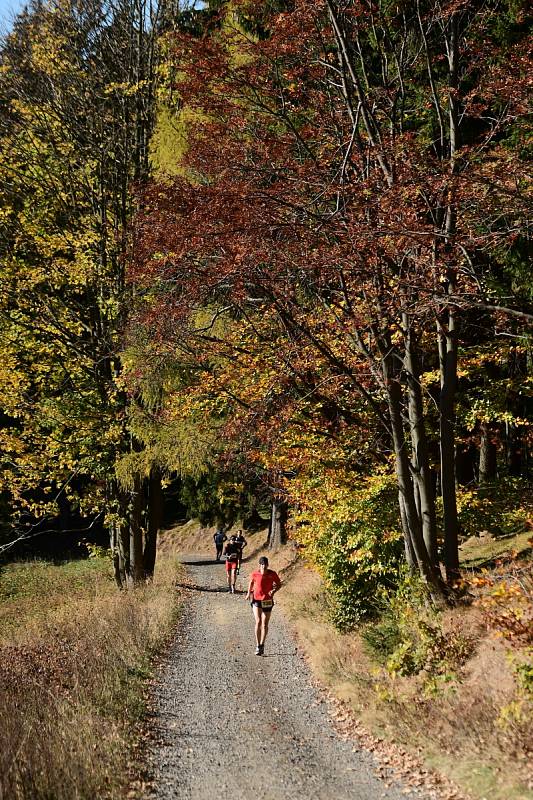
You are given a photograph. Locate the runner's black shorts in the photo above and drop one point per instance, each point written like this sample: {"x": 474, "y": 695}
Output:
{"x": 257, "y": 604}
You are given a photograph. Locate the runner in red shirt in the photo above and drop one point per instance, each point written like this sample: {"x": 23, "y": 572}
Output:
{"x": 264, "y": 583}
{"x": 231, "y": 552}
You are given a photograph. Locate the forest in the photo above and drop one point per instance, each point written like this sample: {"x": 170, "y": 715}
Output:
{"x": 270, "y": 262}
{"x": 277, "y": 253}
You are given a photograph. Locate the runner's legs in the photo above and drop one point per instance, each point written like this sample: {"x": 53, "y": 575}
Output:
{"x": 231, "y": 572}
{"x": 258, "y": 613}
{"x": 264, "y": 627}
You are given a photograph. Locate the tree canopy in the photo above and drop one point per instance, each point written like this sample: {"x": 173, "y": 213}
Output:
{"x": 278, "y": 250}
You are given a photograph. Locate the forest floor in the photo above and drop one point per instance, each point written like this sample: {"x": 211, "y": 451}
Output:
{"x": 465, "y": 740}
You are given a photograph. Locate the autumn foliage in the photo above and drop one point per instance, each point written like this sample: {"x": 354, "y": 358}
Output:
{"x": 337, "y": 237}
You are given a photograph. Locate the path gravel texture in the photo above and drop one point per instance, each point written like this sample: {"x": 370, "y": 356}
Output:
{"x": 230, "y": 724}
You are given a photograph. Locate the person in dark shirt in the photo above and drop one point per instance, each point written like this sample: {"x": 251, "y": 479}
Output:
{"x": 219, "y": 537}
{"x": 241, "y": 542}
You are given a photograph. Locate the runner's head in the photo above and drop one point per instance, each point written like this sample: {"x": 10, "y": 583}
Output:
{"x": 263, "y": 563}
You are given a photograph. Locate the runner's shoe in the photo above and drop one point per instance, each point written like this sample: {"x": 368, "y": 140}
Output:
{"x": 258, "y": 650}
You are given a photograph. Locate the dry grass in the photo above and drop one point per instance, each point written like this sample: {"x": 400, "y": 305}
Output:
{"x": 485, "y": 548}
{"x": 74, "y": 655}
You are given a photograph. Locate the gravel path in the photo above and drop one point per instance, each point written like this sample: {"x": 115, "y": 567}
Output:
{"x": 230, "y": 724}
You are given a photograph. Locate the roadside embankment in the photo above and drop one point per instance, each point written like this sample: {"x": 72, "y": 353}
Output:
{"x": 75, "y": 654}
{"x": 463, "y": 711}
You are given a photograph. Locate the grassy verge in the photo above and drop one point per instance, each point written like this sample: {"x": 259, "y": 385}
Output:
{"x": 74, "y": 657}
{"x": 484, "y": 550}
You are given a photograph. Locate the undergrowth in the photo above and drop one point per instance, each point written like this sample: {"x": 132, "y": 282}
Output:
{"x": 501, "y": 508}
{"x": 74, "y": 655}
{"x": 464, "y": 676}
{"x": 408, "y": 638}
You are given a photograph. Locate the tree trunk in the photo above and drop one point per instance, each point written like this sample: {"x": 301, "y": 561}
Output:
{"x": 278, "y": 522}
{"x": 155, "y": 520}
{"x": 447, "y": 332}
{"x": 119, "y": 535}
{"x": 466, "y": 458}
{"x": 123, "y": 561}
{"x": 118, "y": 572}
{"x": 136, "y": 570}
{"x": 487, "y": 455}
{"x": 409, "y": 552}
{"x": 413, "y": 529}
{"x": 513, "y": 450}
{"x": 448, "y": 371}
{"x": 424, "y": 495}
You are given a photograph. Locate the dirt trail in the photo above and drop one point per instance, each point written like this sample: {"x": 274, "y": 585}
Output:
{"x": 230, "y": 724}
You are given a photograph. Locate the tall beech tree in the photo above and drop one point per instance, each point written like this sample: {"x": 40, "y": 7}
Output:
{"x": 77, "y": 106}
{"x": 354, "y": 171}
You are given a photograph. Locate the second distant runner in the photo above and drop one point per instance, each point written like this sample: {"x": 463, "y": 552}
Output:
{"x": 241, "y": 542}
{"x": 231, "y": 551}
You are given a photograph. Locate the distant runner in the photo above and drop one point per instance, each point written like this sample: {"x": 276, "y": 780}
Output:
{"x": 219, "y": 538}
{"x": 241, "y": 542}
{"x": 264, "y": 583}
{"x": 231, "y": 552}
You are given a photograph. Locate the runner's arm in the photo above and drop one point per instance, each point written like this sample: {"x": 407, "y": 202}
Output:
{"x": 250, "y": 588}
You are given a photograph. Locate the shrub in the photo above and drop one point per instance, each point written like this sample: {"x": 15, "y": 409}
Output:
{"x": 503, "y": 509}
{"x": 507, "y": 602}
{"x": 381, "y": 638}
{"x": 408, "y": 637}
{"x": 356, "y": 546}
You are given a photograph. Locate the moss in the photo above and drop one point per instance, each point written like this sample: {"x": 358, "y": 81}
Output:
{"x": 484, "y": 549}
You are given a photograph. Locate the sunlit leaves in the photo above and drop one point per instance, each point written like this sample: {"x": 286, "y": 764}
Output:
{"x": 68, "y": 155}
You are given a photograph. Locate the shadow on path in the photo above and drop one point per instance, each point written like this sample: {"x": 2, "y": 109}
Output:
{"x": 281, "y": 653}
{"x": 199, "y": 588}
